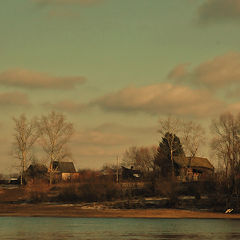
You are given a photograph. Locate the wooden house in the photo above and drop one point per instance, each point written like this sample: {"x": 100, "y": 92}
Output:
{"x": 130, "y": 174}
{"x": 64, "y": 170}
{"x": 36, "y": 172}
{"x": 193, "y": 168}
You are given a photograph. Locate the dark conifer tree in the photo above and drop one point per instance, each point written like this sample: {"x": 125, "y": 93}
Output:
{"x": 163, "y": 157}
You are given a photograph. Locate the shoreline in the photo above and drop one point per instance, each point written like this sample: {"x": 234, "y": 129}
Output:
{"x": 77, "y": 211}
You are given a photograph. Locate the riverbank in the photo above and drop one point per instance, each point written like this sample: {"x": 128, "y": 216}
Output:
{"x": 75, "y": 210}
{"x": 18, "y": 201}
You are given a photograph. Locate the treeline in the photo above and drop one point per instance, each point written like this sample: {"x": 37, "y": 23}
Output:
{"x": 181, "y": 138}
{"x": 156, "y": 163}
{"x": 178, "y": 138}
{"x": 48, "y": 135}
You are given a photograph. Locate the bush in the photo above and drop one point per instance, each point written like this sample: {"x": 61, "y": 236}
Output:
{"x": 96, "y": 190}
{"x": 37, "y": 192}
{"x": 170, "y": 189}
{"x": 68, "y": 193}
{"x": 102, "y": 190}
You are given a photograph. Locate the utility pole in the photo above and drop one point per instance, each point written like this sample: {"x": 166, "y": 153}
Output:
{"x": 117, "y": 170}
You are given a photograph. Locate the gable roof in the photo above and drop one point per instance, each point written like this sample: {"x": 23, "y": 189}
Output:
{"x": 37, "y": 168}
{"x": 195, "y": 162}
{"x": 130, "y": 173}
{"x": 130, "y": 170}
{"x": 64, "y": 167}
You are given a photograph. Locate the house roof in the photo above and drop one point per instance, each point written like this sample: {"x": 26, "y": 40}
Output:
{"x": 132, "y": 171}
{"x": 64, "y": 167}
{"x": 195, "y": 162}
{"x": 37, "y": 168}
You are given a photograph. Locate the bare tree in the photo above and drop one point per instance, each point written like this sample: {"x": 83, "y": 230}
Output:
{"x": 169, "y": 128}
{"x": 129, "y": 157}
{"x": 193, "y": 137}
{"x": 55, "y": 133}
{"x": 226, "y": 141}
{"x": 25, "y": 136}
{"x": 226, "y": 144}
{"x": 141, "y": 158}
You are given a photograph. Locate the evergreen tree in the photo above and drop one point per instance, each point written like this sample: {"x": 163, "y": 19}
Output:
{"x": 163, "y": 157}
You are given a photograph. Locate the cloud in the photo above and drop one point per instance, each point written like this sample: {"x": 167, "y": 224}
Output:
{"x": 219, "y": 10}
{"x": 98, "y": 145}
{"x": 66, "y": 106}
{"x": 163, "y": 98}
{"x": 14, "y": 99}
{"x": 65, "y": 2}
{"x": 132, "y": 130}
{"x": 30, "y": 79}
{"x": 62, "y": 13}
{"x": 103, "y": 143}
{"x": 110, "y": 135}
{"x": 219, "y": 72}
{"x": 234, "y": 107}
{"x": 95, "y": 157}
{"x": 179, "y": 71}
{"x": 100, "y": 138}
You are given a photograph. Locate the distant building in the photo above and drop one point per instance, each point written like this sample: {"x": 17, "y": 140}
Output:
{"x": 13, "y": 181}
{"x": 130, "y": 174}
{"x": 35, "y": 172}
{"x": 193, "y": 168}
{"x": 64, "y": 170}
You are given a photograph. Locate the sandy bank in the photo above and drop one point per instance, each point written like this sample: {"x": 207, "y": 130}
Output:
{"x": 74, "y": 210}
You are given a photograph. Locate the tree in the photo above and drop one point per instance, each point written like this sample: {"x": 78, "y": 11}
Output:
{"x": 141, "y": 158}
{"x": 226, "y": 144}
{"x": 193, "y": 137}
{"x": 36, "y": 171}
{"x": 55, "y": 133}
{"x": 166, "y": 153}
{"x": 169, "y": 128}
{"x": 25, "y": 136}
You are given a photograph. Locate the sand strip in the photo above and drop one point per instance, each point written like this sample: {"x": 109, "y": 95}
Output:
{"x": 72, "y": 210}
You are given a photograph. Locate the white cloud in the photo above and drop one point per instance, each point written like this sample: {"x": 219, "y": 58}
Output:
{"x": 219, "y": 72}
{"x": 161, "y": 98}
{"x": 30, "y": 79}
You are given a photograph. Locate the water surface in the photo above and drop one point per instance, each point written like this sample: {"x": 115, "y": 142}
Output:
{"x": 46, "y": 228}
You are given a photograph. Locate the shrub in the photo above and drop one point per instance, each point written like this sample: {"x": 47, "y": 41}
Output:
{"x": 169, "y": 189}
{"x": 96, "y": 190}
{"x": 37, "y": 192}
{"x": 68, "y": 193}
{"x": 101, "y": 190}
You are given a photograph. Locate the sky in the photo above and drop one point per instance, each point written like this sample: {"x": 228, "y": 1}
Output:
{"x": 115, "y": 67}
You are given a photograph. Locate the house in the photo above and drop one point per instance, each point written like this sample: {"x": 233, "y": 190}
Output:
{"x": 132, "y": 174}
{"x": 36, "y": 170}
{"x": 193, "y": 168}
{"x": 64, "y": 170}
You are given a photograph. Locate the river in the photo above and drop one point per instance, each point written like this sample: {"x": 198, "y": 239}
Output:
{"x": 46, "y": 228}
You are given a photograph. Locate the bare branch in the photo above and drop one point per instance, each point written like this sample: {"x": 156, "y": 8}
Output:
{"x": 55, "y": 134}
{"x": 25, "y": 136}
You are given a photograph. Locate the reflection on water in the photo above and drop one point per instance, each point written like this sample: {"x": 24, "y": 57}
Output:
{"x": 21, "y": 228}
